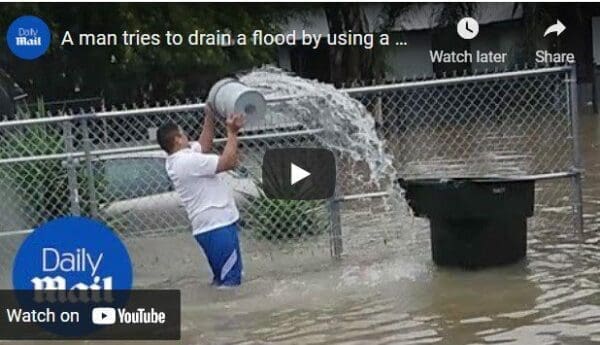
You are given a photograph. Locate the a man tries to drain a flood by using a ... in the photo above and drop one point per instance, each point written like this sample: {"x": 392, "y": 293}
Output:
{"x": 208, "y": 200}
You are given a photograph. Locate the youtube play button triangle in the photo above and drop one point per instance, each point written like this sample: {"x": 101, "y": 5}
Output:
{"x": 299, "y": 173}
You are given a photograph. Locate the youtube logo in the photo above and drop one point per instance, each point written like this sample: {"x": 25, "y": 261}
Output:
{"x": 104, "y": 316}
{"x": 299, "y": 173}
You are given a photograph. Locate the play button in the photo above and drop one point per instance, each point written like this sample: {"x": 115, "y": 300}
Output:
{"x": 298, "y": 173}
{"x": 104, "y": 316}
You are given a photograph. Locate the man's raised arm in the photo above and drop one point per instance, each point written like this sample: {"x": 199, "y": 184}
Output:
{"x": 208, "y": 129}
{"x": 228, "y": 160}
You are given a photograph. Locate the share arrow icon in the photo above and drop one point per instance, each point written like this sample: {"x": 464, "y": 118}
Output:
{"x": 559, "y": 27}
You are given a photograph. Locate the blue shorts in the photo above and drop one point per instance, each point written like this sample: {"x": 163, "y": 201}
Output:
{"x": 222, "y": 249}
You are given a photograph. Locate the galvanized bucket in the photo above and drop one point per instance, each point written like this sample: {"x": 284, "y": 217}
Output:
{"x": 231, "y": 96}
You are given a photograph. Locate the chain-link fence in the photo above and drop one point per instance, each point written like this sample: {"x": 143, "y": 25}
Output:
{"x": 107, "y": 165}
{"x": 513, "y": 125}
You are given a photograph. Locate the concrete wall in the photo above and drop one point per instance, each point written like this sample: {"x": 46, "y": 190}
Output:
{"x": 410, "y": 60}
{"x": 499, "y": 38}
{"x": 12, "y": 214}
{"x": 12, "y": 217}
{"x": 596, "y": 39}
{"x": 597, "y": 89}
{"x": 283, "y": 58}
{"x": 414, "y": 60}
{"x": 596, "y": 43}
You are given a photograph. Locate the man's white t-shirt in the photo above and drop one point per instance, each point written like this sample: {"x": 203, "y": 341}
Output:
{"x": 208, "y": 200}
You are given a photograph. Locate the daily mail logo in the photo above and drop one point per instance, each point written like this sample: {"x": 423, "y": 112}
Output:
{"x": 58, "y": 288}
{"x": 28, "y": 37}
{"x": 72, "y": 259}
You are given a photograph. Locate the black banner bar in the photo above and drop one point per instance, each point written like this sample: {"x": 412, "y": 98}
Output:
{"x": 89, "y": 315}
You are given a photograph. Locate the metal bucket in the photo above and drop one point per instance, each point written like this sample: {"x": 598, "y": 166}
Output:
{"x": 231, "y": 96}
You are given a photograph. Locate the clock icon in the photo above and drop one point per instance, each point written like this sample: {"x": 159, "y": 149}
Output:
{"x": 467, "y": 28}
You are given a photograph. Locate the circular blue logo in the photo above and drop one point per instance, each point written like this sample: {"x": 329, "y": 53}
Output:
{"x": 72, "y": 253}
{"x": 28, "y": 37}
{"x": 72, "y": 265}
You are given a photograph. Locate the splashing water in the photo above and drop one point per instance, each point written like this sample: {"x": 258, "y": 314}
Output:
{"x": 348, "y": 126}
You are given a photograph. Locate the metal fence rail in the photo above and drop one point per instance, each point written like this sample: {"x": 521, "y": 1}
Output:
{"x": 106, "y": 164}
{"x": 497, "y": 124}
{"x": 512, "y": 124}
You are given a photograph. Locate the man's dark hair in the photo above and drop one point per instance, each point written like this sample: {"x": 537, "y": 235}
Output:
{"x": 166, "y": 135}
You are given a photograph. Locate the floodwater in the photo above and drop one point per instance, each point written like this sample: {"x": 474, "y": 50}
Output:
{"x": 397, "y": 296}
{"x": 393, "y": 294}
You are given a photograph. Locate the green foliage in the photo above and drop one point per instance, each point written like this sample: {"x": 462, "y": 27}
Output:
{"x": 42, "y": 184}
{"x": 42, "y": 190}
{"x": 127, "y": 73}
{"x": 274, "y": 220}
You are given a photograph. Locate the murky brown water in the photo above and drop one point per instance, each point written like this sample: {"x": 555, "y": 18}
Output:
{"x": 397, "y": 296}
{"x": 393, "y": 294}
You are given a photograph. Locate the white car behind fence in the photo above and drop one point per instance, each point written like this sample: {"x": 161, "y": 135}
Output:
{"x": 136, "y": 195}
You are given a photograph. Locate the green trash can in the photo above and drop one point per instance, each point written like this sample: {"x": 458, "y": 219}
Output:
{"x": 474, "y": 222}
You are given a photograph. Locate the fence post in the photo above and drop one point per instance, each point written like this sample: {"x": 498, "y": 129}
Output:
{"x": 577, "y": 164}
{"x": 71, "y": 169}
{"x": 91, "y": 184}
{"x": 335, "y": 229}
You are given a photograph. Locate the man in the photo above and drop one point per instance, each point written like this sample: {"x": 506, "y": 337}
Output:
{"x": 207, "y": 199}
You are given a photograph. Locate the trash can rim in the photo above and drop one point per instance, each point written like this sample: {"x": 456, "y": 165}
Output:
{"x": 483, "y": 179}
